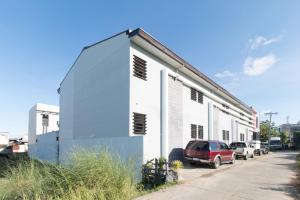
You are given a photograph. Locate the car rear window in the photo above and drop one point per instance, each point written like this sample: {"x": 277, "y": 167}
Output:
{"x": 237, "y": 145}
{"x": 198, "y": 145}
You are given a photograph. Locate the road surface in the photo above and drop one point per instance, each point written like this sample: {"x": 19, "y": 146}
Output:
{"x": 269, "y": 177}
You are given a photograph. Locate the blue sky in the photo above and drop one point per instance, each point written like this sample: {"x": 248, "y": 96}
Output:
{"x": 252, "y": 48}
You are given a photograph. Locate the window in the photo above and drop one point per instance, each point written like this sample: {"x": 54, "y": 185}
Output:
{"x": 200, "y": 132}
{"x": 139, "y": 123}
{"x": 223, "y": 146}
{"x": 197, "y": 132}
{"x": 139, "y": 68}
{"x": 196, "y": 95}
{"x": 213, "y": 146}
{"x": 225, "y": 135}
{"x": 193, "y": 94}
{"x": 242, "y": 137}
{"x": 200, "y": 97}
{"x": 194, "y": 131}
{"x": 45, "y": 122}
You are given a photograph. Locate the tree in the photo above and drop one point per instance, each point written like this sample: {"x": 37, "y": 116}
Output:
{"x": 264, "y": 131}
{"x": 284, "y": 136}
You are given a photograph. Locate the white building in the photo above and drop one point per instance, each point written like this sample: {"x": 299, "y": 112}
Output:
{"x": 43, "y": 121}
{"x": 135, "y": 96}
{"x": 4, "y": 142}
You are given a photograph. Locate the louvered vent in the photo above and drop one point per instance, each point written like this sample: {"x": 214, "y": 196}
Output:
{"x": 193, "y": 131}
{"x": 200, "y": 132}
{"x": 193, "y": 94}
{"x": 139, "y": 123}
{"x": 139, "y": 68}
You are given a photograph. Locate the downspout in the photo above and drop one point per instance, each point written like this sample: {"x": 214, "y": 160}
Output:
{"x": 164, "y": 114}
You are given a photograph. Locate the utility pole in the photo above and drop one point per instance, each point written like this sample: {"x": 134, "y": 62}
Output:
{"x": 270, "y": 115}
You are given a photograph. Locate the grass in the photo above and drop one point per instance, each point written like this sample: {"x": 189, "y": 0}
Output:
{"x": 88, "y": 176}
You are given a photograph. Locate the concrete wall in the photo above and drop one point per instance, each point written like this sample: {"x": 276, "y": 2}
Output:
{"x": 126, "y": 147}
{"x": 46, "y": 148}
{"x": 175, "y": 122}
{"x": 99, "y": 95}
{"x": 146, "y": 97}
{"x": 94, "y": 100}
{"x": 35, "y": 126}
{"x": 94, "y": 96}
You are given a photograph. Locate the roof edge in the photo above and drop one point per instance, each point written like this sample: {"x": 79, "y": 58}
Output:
{"x": 86, "y": 47}
{"x": 140, "y": 32}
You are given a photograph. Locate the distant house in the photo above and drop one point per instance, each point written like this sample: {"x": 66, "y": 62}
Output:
{"x": 135, "y": 96}
{"x": 43, "y": 129}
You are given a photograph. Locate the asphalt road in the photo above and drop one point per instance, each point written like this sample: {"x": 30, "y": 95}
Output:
{"x": 269, "y": 177}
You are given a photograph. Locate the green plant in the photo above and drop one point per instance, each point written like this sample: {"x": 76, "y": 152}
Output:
{"x": 176, "y": 164}
{"x": 161, "y": 162}
{"x": 89, "y": 175}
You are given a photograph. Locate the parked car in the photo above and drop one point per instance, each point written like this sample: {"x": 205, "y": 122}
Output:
{"x": 242, "y": 149}
{"x": 264, "y": 147}
{"x": 256, "y": 145}
{"x": 213, "y": 153}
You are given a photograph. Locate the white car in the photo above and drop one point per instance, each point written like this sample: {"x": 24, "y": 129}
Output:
{"x": 242, "y": 149}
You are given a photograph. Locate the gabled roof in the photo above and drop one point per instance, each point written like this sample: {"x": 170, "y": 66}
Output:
{"x": 151, "y": 40}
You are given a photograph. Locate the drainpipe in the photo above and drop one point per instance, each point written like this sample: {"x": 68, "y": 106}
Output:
{"x": 164, "y": 113}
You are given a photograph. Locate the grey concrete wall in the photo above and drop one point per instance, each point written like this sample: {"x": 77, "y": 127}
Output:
{"x": 46, "y": 147}
{"x": 175, "y": 120}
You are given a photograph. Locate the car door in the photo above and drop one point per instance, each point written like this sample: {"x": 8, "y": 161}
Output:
{"x": 225, "y": 152}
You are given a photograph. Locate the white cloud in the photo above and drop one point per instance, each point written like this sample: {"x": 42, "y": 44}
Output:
{"x": 257, "y": 66}
{"x": 224, "y": 74}
{"x": 260, "y": 41}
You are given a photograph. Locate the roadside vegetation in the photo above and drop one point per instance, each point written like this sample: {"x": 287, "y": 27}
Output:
{"x": 90, "y": 176}
{"x": 297, "y": 181}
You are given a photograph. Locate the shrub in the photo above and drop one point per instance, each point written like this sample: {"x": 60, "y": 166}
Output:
{"x": 176, "y": 164}
{"x": 88, "y": 175}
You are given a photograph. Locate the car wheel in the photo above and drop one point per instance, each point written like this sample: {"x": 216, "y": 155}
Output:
{"x": 217, "y": 163}
{"x": 193, "y": 163}
{"x": 252, "y": 156}
{"x": 246, "y": 157}
{"x": 233, "y": 160}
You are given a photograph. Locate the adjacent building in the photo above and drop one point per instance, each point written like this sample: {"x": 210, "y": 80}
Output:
{"x": 135, "y": 96}
{"x": 43, "y": 129}
{"x": 294, "y": 133}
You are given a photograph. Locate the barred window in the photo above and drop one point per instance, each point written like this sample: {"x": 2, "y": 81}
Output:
{"x": 196, "y": 96}
{"x": 139, "y": 123}
{"x": 194, "y": 131}
{"x": 200, "y": 132}
{"x": 242, "y": 137}
{"x": 193, "y": 94}
{"x": 200, "y": 97}
{"x": 139, "y": 68}
{"x": 225, "y": 135}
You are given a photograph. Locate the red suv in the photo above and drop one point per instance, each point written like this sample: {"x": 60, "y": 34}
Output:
{"x": 212, "y": 153}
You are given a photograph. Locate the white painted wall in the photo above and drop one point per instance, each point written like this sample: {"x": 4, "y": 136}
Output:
{"x": 146, "y": 97}
{"x": 100, "y": 94}
{"x": 94, "y": 100}
{"x": 4, "y": 138}
{"x": 94, "y": 96}
{"x": 35, "y": 120}
{"x": 46, "y": 148}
